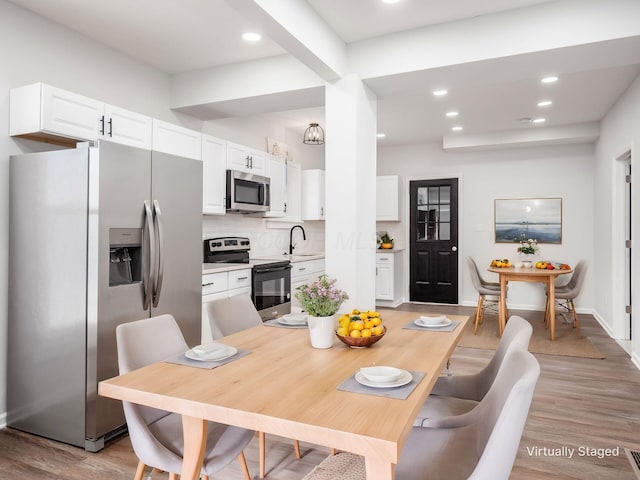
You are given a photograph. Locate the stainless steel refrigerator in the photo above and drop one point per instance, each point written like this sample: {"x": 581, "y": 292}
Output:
{"x": 99, "y": 235}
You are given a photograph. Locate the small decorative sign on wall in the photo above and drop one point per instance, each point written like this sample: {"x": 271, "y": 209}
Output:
{"x": 519, "y": 219}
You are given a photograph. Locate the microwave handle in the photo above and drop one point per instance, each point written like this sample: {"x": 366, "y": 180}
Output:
{"x": 261, "y": 193}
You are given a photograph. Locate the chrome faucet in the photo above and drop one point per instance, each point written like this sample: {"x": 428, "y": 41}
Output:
{"x": 304, "y": 237}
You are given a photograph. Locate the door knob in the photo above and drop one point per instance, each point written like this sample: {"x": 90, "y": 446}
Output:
{"x": 454, "y": 249}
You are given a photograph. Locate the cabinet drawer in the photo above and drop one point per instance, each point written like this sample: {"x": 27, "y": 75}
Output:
{"x": 239, "y": 278}
{"x": 214, "y": 283}
{"x": 309, "y": 267}
{"x": 384, "y": 258}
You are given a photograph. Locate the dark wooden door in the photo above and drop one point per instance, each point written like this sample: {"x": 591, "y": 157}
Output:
{"x": 434, "y": 240}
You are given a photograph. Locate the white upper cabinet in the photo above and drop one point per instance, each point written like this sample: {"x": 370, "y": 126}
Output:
{"x": 43, "y": 112}
{"x": 176, "y": 140}
{"x": 277, "y": 187}
{"x": 387, "y": 198}
{"x": 214, "y": 170}
{"x": 126, "y": 127}
{"x": 245, "y": 159}
{"x": 313, "y": 194}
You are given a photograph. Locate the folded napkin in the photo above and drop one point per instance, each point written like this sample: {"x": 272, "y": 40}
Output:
{"x": 274, "y": 323}
{"x": 180, "y": 359}
{"x": 402, "y": 393}
{"x": 448, "y": 328}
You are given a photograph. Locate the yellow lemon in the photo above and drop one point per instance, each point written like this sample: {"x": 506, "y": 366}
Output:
{"x": 376, "y": 321}
{"x": 374, "y": 314}
{"x": 356, "y": 325}
{"x": 355, "y": 333}
{"x": 368, "y": 324}
{"x": 377, "y": 330}
{"x": 355, "y": 311}
{"x": 343, "y": 332}
{"x": 365, "y": 333}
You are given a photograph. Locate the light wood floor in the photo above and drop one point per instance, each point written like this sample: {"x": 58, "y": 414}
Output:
{"x": 578, "y": 403}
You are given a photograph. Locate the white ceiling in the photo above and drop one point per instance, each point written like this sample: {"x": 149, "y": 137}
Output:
{"x": 181, "y": 36}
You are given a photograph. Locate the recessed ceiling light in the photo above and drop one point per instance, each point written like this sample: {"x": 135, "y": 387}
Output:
{"x": 381, "y": 135}
{"x": 251, "y": 36}
{"x": 549, "y": 79}
{"x": 525, "y": 120}
{"x": 451, "y": 114}
{"x": 440, "y": 93}
{"x": 539, "y": 120}
{"x": 545, "y": 103}
{"x": 457, "y": 128}
{"x": 390, "y": 1}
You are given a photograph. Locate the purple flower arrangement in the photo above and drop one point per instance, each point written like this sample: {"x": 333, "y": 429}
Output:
{"x": 321, "y": 298}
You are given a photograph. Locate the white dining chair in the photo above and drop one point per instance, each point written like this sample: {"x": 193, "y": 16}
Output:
{"x": 566, "y": 294}
{"x": 488, "y": 294}
{"x": 458, "y": 394}
{"x": 157, "y": 435}
{"x": 231, "y": 315}
{"x": 479, "y": 445}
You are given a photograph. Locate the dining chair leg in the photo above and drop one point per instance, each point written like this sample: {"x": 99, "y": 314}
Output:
{"x": 261, "y": 444}
{"x": 576, "y": 322}
{"x": 205, "y": 477}
{"x": 243, "y": 466}
{"x": 173, "y": 476}
{"x": 139, "y": 471}
{"x": 333, "y": 451}
{"x": 546, "y": 310}
{"x": 476, "y": 320}
{"x": 296, "y": 448}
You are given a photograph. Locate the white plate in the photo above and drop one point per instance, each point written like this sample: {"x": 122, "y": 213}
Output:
{"x": 293, "y": 319}
{"x": 381, "y": 374}
{"x": 405, "y": 377}
{"x": 221, "y": 352}
{"x": 432, "y": 319}
{"x": 445, "y": 323}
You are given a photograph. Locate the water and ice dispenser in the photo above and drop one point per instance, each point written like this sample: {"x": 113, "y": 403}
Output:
{"x": 125, "y": 251}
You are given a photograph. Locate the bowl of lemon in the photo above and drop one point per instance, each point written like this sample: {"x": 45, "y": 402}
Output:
{"x": 360, "y": 329}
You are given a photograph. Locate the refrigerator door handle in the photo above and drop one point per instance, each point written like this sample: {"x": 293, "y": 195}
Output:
{"x": 148, "y": 275}
{"x": 157, "y": 284}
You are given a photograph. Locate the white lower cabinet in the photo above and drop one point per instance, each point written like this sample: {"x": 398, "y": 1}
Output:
{"x": 303, "y": 273}
{"x": 389, "y": 278}
{"x": 221, "y": 285}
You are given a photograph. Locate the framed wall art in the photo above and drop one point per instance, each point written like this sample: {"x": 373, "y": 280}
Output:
{"x": 519, "y": 219}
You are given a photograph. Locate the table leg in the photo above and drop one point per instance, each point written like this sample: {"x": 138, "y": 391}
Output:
{"x": 195, "y": 440}
{"x": 502, "y": 306}
{"x": 378, "y": 469}
{"x": 551, "y": 288}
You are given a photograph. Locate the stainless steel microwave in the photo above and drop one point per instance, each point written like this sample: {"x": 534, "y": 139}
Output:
{"x": 246, "y": 192}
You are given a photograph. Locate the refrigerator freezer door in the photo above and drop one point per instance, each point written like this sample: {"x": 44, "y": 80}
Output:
{"x": 177, "y": 193}
{"x": 120, "y": 184}
{"x": 47, "y": 294}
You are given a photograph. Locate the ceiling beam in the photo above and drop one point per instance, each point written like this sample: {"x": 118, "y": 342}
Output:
{"x": 297, "y": 28}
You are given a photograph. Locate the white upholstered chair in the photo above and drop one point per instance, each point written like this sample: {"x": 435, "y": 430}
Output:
{"x": 231, "y": 315}
{"x": 488, "y": 293}
{"x": 156, "y": 435}
{"x": 479, "y": 445}
{"x": 458, "y": 394}
{"x": 567, "y": 293}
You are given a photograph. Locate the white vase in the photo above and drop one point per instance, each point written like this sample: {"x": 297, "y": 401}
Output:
{"x": 321, "y": 331}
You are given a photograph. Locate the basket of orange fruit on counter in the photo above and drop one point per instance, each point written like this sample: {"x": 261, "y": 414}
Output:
{"x": 548, "y": 265}
{"x": 360, "y": 329}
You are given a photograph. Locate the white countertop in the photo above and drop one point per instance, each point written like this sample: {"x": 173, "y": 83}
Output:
{"x": 229, "y": 267}
{"x": 389, "y": 250}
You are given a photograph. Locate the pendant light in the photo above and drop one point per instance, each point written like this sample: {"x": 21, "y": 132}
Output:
{"x": 314, "y": 135}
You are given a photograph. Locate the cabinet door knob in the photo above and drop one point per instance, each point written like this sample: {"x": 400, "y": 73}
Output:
{"x": 454, "y": 249}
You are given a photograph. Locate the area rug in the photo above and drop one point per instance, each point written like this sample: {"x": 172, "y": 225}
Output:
{"x": 566, "y": 342}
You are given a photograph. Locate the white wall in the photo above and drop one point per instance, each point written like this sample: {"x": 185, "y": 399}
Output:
{"x": 33, "y": 49}
{"x": 620, "y": 131}
{"x": 559, "y": 171}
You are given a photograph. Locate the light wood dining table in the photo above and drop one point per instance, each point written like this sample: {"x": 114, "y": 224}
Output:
{"x": 528, "y": 274}
{"x": 285, "y": 387}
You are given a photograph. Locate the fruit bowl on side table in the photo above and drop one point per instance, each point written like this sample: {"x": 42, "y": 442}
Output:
{"x": 361, "y": 342}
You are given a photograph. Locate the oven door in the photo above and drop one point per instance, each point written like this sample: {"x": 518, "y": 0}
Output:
{"x": 271, "y": 290}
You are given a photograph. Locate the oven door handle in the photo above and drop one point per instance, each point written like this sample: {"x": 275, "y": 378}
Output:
{"x": 274, "y": 269}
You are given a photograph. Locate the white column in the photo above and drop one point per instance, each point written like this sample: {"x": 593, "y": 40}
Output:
{"x": 350, "y": 200}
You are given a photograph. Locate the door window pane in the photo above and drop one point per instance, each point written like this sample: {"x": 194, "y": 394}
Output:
{"x": 422, "y": 196}
{"x": 444, "y": 231}
{"x": 445, "y": 195}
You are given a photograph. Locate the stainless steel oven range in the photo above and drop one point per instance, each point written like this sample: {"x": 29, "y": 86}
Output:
{"x": 271, "y": 279}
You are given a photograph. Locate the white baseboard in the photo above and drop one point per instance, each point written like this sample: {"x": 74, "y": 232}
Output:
{"x": 3, "y": 419}
{"x": 635, "y": 359}
{"x": 602, "y": 323}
